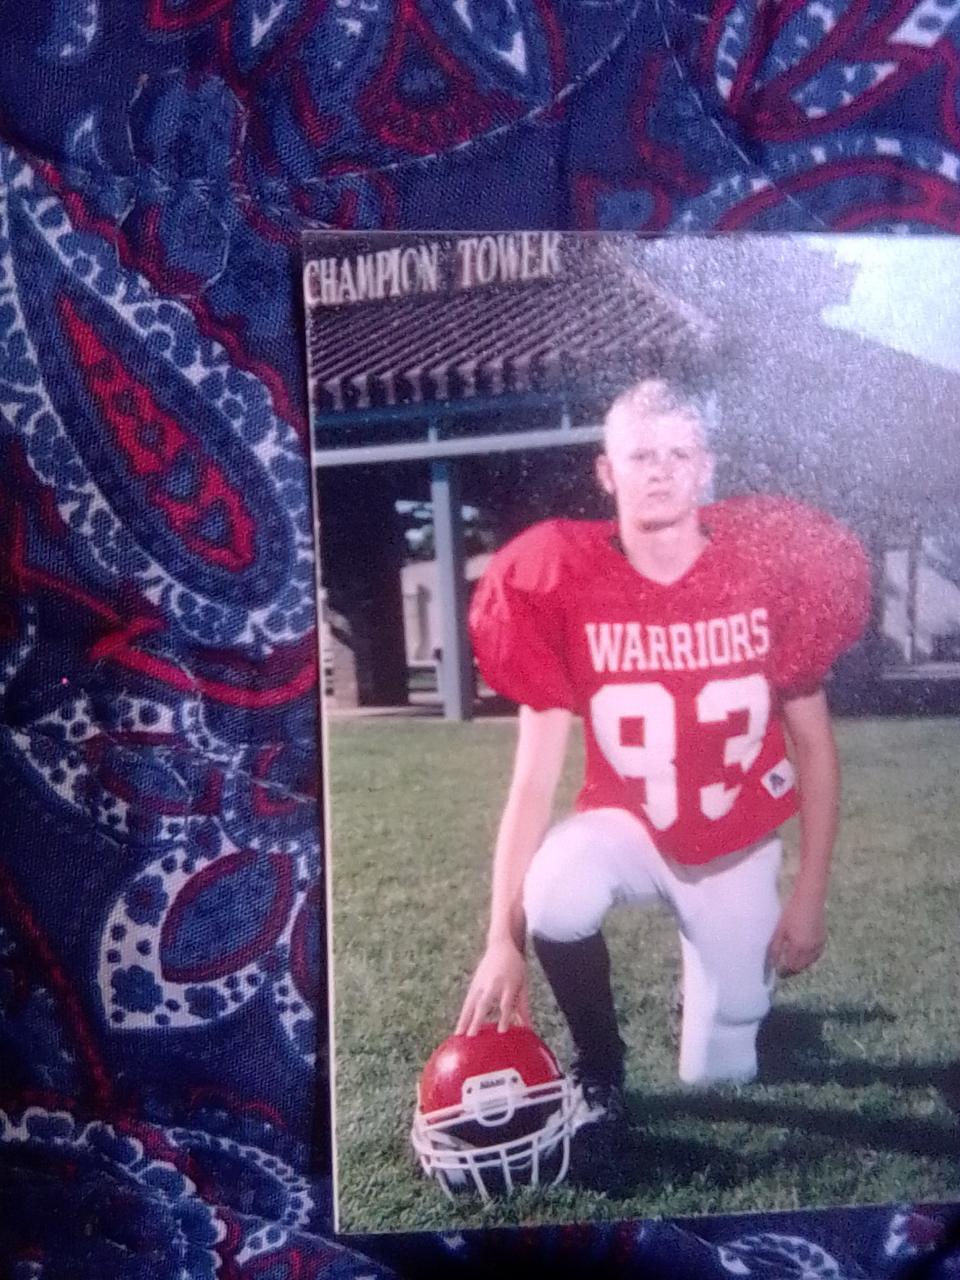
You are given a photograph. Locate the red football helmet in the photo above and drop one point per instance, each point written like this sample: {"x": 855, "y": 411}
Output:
{"x": 494, "y": 1111}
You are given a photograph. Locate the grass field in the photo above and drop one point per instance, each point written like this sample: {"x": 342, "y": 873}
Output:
{"x": 861, "y": 1090}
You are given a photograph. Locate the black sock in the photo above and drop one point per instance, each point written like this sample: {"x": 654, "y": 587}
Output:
{"x": 579, "y": 976}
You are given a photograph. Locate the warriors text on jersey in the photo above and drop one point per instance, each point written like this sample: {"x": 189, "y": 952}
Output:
{"x": 680, "y": 686}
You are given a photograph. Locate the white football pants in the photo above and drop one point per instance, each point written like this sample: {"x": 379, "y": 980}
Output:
{"x": 726, "y": 910}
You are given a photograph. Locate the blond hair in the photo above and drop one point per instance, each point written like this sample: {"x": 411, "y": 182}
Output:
{"x": 655, "y": 395}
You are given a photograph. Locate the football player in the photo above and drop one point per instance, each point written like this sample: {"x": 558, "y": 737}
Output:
{"x": 691, "y": 640}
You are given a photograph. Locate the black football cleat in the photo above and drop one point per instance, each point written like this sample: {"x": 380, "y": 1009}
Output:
{"x": 600, "y": 1143}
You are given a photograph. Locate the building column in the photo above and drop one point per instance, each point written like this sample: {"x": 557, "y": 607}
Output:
{"x": 455, "y": 671}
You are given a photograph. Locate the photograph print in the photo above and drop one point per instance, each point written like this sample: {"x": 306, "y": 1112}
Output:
{"x": 639, "y": 573}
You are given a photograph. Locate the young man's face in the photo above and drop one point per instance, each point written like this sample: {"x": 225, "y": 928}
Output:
{"x": 655, "y": 464}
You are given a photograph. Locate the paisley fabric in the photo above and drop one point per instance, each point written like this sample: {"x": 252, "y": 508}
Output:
{"x": 161, "y": 1070}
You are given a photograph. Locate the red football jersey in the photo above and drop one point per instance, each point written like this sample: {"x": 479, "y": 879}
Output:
{"x": 679, "y": 687}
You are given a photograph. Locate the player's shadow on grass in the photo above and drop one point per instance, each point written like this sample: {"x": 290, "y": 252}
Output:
{"x": 793, "y": 1050}
{"x": 650, "y": 1159}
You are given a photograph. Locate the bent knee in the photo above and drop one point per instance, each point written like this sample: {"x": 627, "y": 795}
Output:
{"x": 742, "y": 1006}
{"x": 719, "y": 1041}
{"x": 562, "y": 900}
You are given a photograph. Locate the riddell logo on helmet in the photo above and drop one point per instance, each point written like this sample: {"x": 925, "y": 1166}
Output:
{"x": 495, "y": 1082}
{"x": 507, "y": 1079}
{"x": 493, "y": 1097}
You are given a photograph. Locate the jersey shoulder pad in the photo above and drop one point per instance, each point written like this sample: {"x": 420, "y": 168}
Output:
{"x": 763, "y": 522}
{"x": 548, "y": 557}
{"x": 814, "y": 572}
{"x": 517, "y": 615}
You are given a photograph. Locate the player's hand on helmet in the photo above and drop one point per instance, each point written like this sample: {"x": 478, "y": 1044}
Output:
{"x": 499, "y": 985}
{"x": 800, "y": 936}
